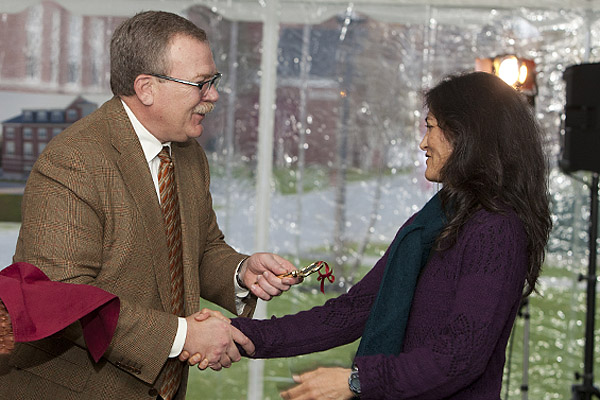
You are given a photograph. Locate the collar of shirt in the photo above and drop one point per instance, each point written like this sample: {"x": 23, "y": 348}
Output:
{"x": 150, "y": 144}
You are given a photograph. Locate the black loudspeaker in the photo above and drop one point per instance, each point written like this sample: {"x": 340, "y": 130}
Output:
{"x": 581, "y": 146}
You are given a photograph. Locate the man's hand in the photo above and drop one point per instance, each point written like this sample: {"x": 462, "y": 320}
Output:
{"x": 259, "y": 274}
{"x": 238, "y": 337}
{"x": 212, "y": 338}
{"x": 322, "y": 383}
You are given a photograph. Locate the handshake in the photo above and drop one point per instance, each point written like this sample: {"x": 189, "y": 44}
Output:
{"x": 211, "y": 341}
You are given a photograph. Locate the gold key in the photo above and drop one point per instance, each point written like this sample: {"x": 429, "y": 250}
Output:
{"x": 306, "y": 271}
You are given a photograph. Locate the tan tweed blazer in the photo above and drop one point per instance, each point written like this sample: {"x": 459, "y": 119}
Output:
{"x": 91, "y": 215}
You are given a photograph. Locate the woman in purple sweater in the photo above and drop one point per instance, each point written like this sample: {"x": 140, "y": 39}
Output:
{"x": 435, "y": 313}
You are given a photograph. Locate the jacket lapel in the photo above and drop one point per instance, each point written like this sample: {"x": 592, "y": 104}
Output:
{"x": 186, "y": 177}
{"x": 136, "y": 174}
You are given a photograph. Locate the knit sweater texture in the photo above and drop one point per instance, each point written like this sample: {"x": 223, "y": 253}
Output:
{"x": 461, "y": 317}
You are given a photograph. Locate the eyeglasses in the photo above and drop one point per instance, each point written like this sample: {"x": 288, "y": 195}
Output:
{"x": 203, "y": 86}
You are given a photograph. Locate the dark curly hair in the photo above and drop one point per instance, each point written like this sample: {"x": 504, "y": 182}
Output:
{"x": 497, "y": 159}
{"x": 139, "y": 46}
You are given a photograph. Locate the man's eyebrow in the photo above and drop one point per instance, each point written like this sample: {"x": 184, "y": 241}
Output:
{"x": 203, "y": 77}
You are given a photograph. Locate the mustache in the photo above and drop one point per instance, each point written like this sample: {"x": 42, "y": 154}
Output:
{"x": 204, "y": 108}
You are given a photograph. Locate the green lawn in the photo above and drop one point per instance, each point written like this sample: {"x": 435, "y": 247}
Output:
{"x": 10, "y": 207}
{"x": 556, "y": 345}
{"x": 556, "y": 348}
{"x": 285, "y": 179}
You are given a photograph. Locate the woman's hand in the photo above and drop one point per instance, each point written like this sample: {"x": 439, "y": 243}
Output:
{"x": 322, "y": 383}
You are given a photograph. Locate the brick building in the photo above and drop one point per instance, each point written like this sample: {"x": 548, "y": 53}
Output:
{"x": 26, "y": 135}
{"x": 320, "y": 113}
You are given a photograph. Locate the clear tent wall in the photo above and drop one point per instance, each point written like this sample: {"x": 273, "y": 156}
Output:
{"x": 314, "y": 143}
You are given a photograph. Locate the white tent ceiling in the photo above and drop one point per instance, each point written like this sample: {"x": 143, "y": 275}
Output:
{"x": 307, "y": 11}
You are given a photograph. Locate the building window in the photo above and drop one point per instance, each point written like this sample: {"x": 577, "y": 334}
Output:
{"x": 33, "y": 46}
{"x": 323, "y": 43}
{"x": 41, "y": 116}
{"x": 56, "y": 116}
{"x": 27, "y": 133}
{"x": 56, "y": 131}
{"x": 42, "y": 134}
{"x": 10, "y": 148}
{"x": 72, "y": 115}
{"x": 9, "y": 132}
{"x": 28, "y": 116}
{"x": 75, "y": 48}
{"x": 41, "y": 147}
{"x": 28, "y": 149}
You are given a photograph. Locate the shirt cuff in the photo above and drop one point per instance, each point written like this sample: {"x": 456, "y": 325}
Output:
{"x": 240, "y": 292}
{"x": 180, "y": 337}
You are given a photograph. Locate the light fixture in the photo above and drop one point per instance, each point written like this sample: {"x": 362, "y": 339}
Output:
{"x": 515, "y": 71}
{"x": 508, "y": 70}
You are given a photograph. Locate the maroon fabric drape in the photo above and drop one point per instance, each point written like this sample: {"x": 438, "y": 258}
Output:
{"x": 39, "y": 307}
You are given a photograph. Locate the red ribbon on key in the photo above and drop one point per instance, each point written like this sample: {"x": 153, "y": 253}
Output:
{"x": 328, "y": 275}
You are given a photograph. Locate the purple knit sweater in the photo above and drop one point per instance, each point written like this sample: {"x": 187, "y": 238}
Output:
{"x": 462, "y": 314}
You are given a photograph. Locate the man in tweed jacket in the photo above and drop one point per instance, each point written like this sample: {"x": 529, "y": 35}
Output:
{"x": 91, "y": 215}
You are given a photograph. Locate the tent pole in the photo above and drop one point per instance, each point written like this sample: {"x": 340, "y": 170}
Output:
{"x": 264, "y": 171}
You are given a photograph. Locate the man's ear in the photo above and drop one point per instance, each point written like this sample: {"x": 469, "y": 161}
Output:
{"x": 144, "y": 89}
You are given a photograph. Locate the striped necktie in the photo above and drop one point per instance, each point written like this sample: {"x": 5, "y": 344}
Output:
{"x": 170, "y": 208}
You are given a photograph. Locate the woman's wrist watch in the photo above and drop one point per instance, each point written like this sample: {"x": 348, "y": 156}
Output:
{"x": 354, "y": 382}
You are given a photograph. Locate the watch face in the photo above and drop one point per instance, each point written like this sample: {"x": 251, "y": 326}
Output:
{"x": 354, "y": 383}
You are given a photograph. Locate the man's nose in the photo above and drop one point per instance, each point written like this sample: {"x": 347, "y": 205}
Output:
{"x": 211, "y": 95}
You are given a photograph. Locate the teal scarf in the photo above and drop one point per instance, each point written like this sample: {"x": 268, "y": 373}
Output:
{"x": 384, "y": 332}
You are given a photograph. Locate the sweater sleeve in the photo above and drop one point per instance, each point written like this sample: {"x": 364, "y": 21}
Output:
{"x": 483, "y": 275}
{"x": 339, "y": 321}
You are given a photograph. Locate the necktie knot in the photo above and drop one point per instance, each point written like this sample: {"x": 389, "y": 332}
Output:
{"x": 164, "y": 156}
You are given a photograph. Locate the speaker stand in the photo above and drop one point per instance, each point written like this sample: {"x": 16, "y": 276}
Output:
{"x": 586, "y": 390}
{"x": 524, "y": 312}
